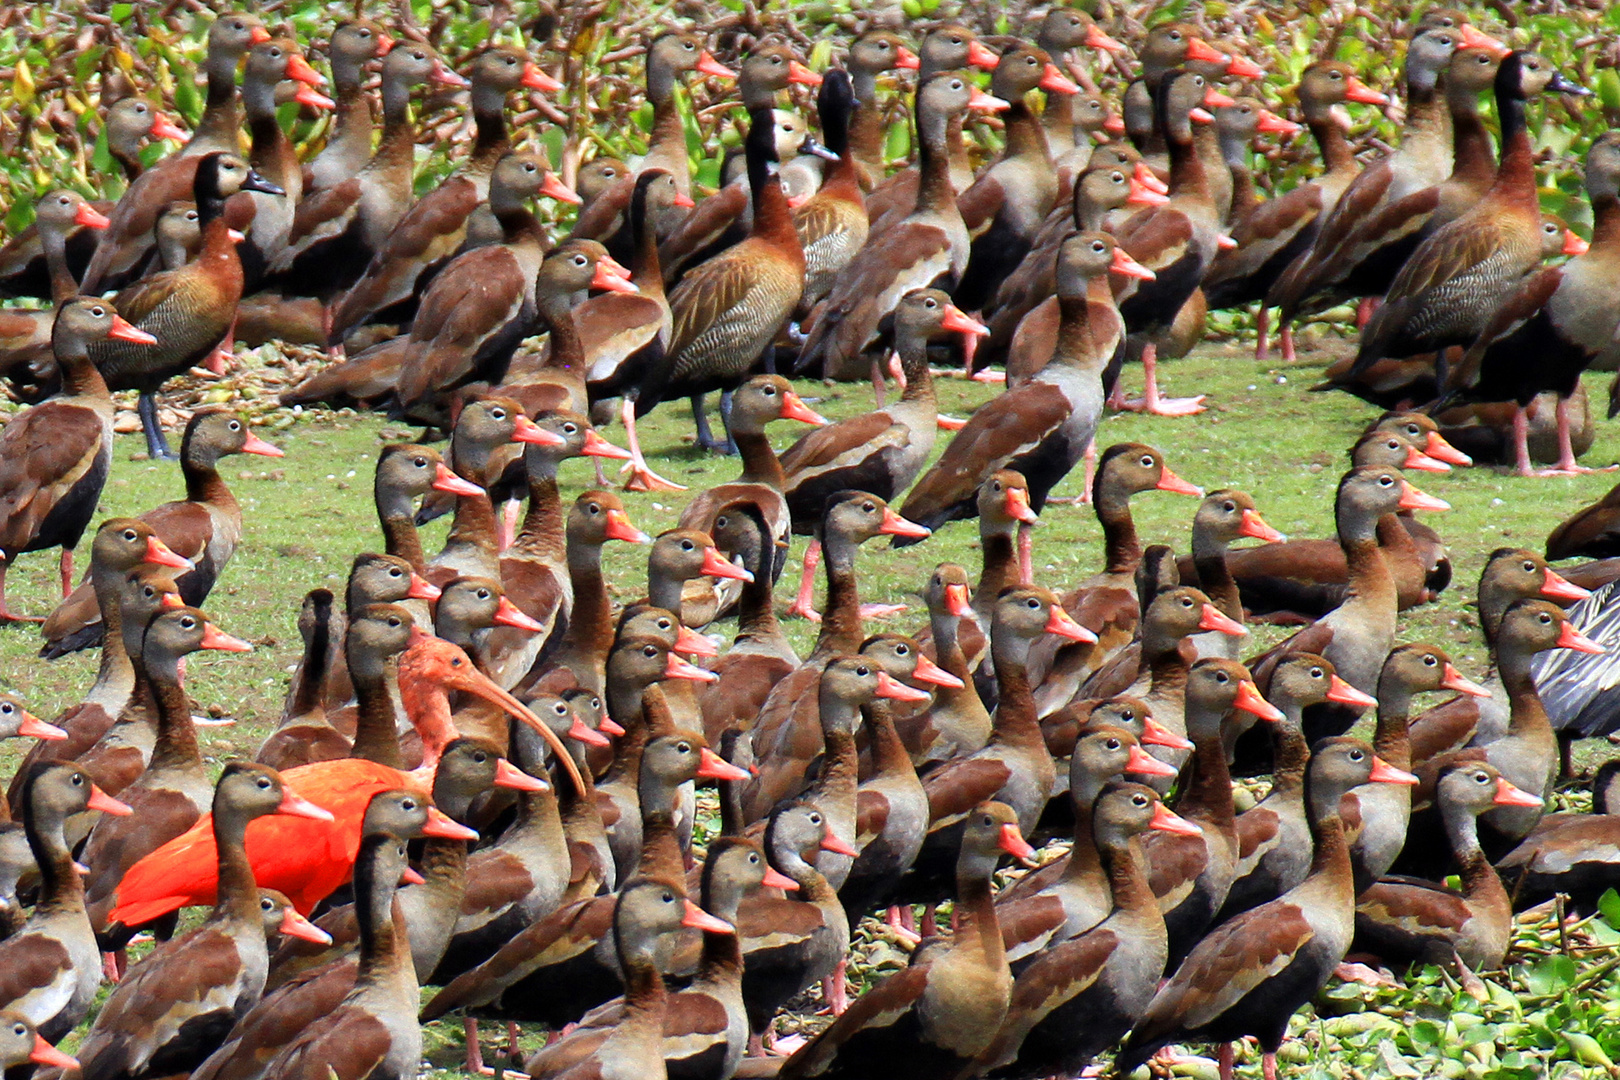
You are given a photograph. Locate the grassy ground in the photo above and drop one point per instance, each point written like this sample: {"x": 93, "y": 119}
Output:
{"x": 308, "y": 514}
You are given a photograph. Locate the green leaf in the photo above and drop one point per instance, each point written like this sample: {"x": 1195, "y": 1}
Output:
{"x": 1551, "y": 975}
{"x": 1609, "y": 903}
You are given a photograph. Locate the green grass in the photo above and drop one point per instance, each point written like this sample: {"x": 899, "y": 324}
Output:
{"x": 306, "y": 515}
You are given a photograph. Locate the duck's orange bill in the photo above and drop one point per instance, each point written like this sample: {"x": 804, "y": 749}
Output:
{"x": 255, "y": 445}
{"x": 1249, "y": 700}
{"x": 170, "y": 601}
{"x": 160, "y": 554}
{"x": 91, "y": 218}
{"x": 1413, "y": 499}
{"x": 1417, "y": 459}
{"x": 509, "y": 614}
{"x": 258, "y": 34}
{"x": 1148, "y": 178}
{"x": 1254, "y": 525}
{"x": 775, "y": 879}
{"x": 215, "y": 638}
{"x": 1018, "y": 508}
{"x": 299, "y": 70}
{"x": 164, "y": 128}
{"x": 552, "y": 187}
{"x": 1201, "y": 115}
{"x": 802, "y": 75}
{"x": 1013, "y": 843}
{"x": 44, "y": 1053}
{"x": 1156, "y": 734}
{"x": 794, "y": 408}
{"x": 676, "y": 668}
{"x": 1114, "y": 125}
{"x": 1214, "y": 99}
{"x": 1358, "y": 91}
{"x": 958, "y": 601}
{"x": 385, "y": 45}
{"x": 535, "y": 79}
{"x": 957, "y": 321}
{"x": 295, "y": 925}
{"x": 1437, "y": 447}
{"x": 714, "y": 767}
{"x": 717, "y": 565}
{"x": 1056, "y": 82}
{"x": 983, "y": 102}
{"x": 895, "y": 525}
{"x": 581, "y": 732}
{"x": 906, "y": 60}
{"x": 1474, "y": 38}
{"x": 1573, "y": 244}
{"x": 610, "y": 726}
{"x": 596, "y": 446}
{"x": 100, "y": 800}
{"x": 448, "y": 482}
{"x": 1385, "y": 773}
{"x": 1167, "y": 820}
{"x": 441, "y": 826}
{"x": 708, "y": 65}
{"x": 1143, "y": 763}
{"x": 1169, "y": 481}
{"x": 1096, "y": 39}
{"x": 123, "y": 330}
{"x": 1241, "y": 67}
{"x": 1342, "y": 693}
{"x": 305, "y": 95}
{"x": 1214, "y": 619}
{"x": 32, "y": 727}
{"x": 1509, "y": 795}
{"x": 981, "y": 56}
{"x": 295, "y": 805}
{"x": 612, "y": 281}
{"x": 1557, "y": 587}
{"x": 698, "y": 919}
{"x": 831, "y": 843}
{"x": 1143, "y": 194}
{"x": 1272, "y": 124}
{"x": 895, "y": 690}
{"x": 445, "y": 77}
{"x": 1225, "y": 242}
{"x": 1201, "y": 50}
{"x": 411, "y": 877}
{"x": 509, "y": 776}
{"x": 619, "y": 528}
{"x": 1571, "y": 638}
{"x": 931, "y": 673}
{"x": 1062, "y": 624}
{"x": 422, "y": 589}
{"x": 689, "y": 642}
{"x": 525, "y": 430}
{"x": 1455, "y": 682}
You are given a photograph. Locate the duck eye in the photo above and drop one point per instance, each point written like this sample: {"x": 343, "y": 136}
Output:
{"x": 480, "y": 757}
{"x": 420, "y": 463}
{"x": 1139, "y": 800}
{"x": 1032, "y": 603}
{"x": 188, "y": 623}
{"x": 1430, "y": 661}
{"x": 78, "y": 780}
{"x": 1229, "y": 507}
{"x": 1222, "y": 677}
{"x": 393, "y": 620}
{"x": 683, "y": 748}
{"x": 570, "y": 429}
{"x": 264, "y": 783}
{"x": 129, "y": 534}
{"x": 266, "y": 904}
{"x": 1316, "y": 673}
{"x": 1147, "y": 461}
{"x": 395, "y": 571}
{"x": 1385, "y": 481}
{"x": 1529, "y": 567}
{"x": 686, "y": 545}
{"x": 1112, "y": 744}
{"x": 408, "y": 804}
{"x": 1356, "y": 755}
{"x": 902, "y": 649}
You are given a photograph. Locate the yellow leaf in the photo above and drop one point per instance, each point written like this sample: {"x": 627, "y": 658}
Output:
{"x": 22, "y": 85}
{"x": 1265, "y": 26}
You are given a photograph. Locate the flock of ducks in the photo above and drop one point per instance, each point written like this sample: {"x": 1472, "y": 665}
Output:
{"x": 537, "y": 745}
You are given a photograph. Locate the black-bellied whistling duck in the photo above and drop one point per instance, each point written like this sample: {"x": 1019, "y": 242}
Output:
{"x": 1356, "y": 636}
{"x": 192, "y": 307}
{"x": 1005, "y": 518}
{"x": 1419, "y": 162}
{"x": 592, "y": 869}
{"x": 204, "y": 527}
{"x": 1526, "y": 754}
{"x": 1013, "y": 766}
{"x": 1589, "y": 531}
{"x": 788, "y": 727}
{"x": 705, "y": 1025}
{"x": 21, "y": 1046}
{"x": 1236, "y": 127}
{"x": 882, "y": 451}
{"x": 1510, "y": 574}
{"x": 1383, "y": 811}
{"x": 1416, "y": 920}
{"x": 25, "y": 336}
{"x": 1573, "y": 854}
{"x": 1251, "y": 974}
{"x": 346, "y": 217}
{"x": 476, "y": 310}
{"x": 1553, "y": 313}
{"x": 1080, "y": 996}
{"x": 930, "y": 243}
{"x": 125, "y": 248}
{"x": 1224, "y": 515}
{"x": 468, "y": 611}
{"x": 956, "y": 722}
{"x": 792, "y": 942}
{"x": 148, "y": 1022}
{"x": 1281, "y": 229}
{"x": 1006, "y": 204}
{"x": 1060, "y": 34}
{"x": 832, "y": 224}
{"x": 434, "y": 228}
{"x": 54, "y": 457}
{"x": 727, "y": 310}
{"x": 16, "y": 722}
{"x": 15, "y": 861}
{"x": 1062, "y": 728}
{"x": 1078, "y": 898}
{"x": 173, "y": 790}
{"x": 354, "y": 43}
{"x": 1448, "y": 290}
{"x": 1274, "y": 837}
{"x": 50, "y": 967}
{"x": 936, "y": 1015}
{"x": 1042, "y": 428}
{"x": 870, "y": 55}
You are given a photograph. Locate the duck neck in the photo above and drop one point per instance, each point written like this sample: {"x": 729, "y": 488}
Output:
{"x": 590, "y": 622}
{"x": 943, "y": 627}
{"x": 116, "y": 674}
{"x": 238, "y": 889}
{"x": 384, "y": 952}
{"x": 1127, "y": 877}
{"x": 376, "y": 733}
{"x": 1479, "y": 880}
{"x": 64, "y": 286}
{"x": 398, "y": 520}
{"x": 666, "y": 147}
{"x": 759, "y": 461}
{"x": 1014, "y": 722}
{"x": 1187, "y": 174}
{"x": 1367, "y": 574}
{"x": 1391, "y": 739}
{"x": 200, "y": 467}
{"x": 998, "y": 547}
{"x": 565, "y": 350}
{"x": 841, "y": 622}
{"x": 1292, "y": 753}
{"x": 913, "y": 352}
{"x": 1208, "y": 795}
{"x": 80, "y": 377}
{"x": 1074, "y": 338}
{"x": 722, "y": 953}
{"x": 489, "y": 117}
{"x": 1122, "y": 551}
{"x": 1471, "y": 158}
{"x": 866, "y": 128}
{"x": 1516, "y": 174}
{"x": 1428, "y": 121}
{"x": 1214, "y": 576}
{"x": 259, "y": 103}
{"x": 1026, "y": 140}
{"x": 176, "y": 745}
{"x": 542, "y": 533}
{"x": 222, "y": 115}
{"x": 889, "y": 754}
{"x": 1527, "y": 715}
{"x": 841, "y": 762}
{"x": 60, "y": 888}
{"x": 1338, "y": 156}
{"x": 939, "y": 140}
{"x": 630, "y": 746}
{"x": 351, "y": 127}
{"x": 660, "y": 845}
{"x": 756, "y": 614}
{"x": 1331, "y": 859}
{"x": 978, "y": 931}
{"x": 1085, "y": 862}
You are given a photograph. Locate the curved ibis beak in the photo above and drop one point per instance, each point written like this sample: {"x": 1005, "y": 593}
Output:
{"x": 214, "y": 638}
{"x": 1013, "y": 843}
{"x": 958, "y": 601}
{"x": 980, "y": 56}
{"x": 906, "y": 60}
{"x": 1062, "y": 624}
{"x": 423, "y": 589}
{"x": 714, "y": 767}
{"x": 708, "y": 65}
{"x": 1054, "y": 81}
{"x": 1214, "y": 619}
{"x": 619, "y": 528}
{"x": 448, "y": 482}
{"x": 509, "y": 614}
{"x": 535, "y": 79}
{"x": 1156, "y": 734}
{"x": 798, "y": 73}
{"x": 1455, "y": 681}
{"x": 123, "y": 330}
{"x": 1413, "y": 499}
{"x": 1417, "y": 459}
{"x": 160, "y": 554}
{"x": 91, "y": 218}
{"x": 1385, "y": 773}
{"x": 552, "y": 187}
{"x": 1166, "y": 820}
{"x": 100, "y": 800}
{"x": 527, "y": 431}
{"x": 1571, "y": 638}
{"x": 441, "y": 826}
{"x": 255, "y": 445}
{"x": 775, "y": 879}
{"x": 1437, "y": 447}
{"x": 583, "y": 733}
{"x": 717, "y": 565}
{"x": 689, "y": 642}
{"x": 1143, "y": 763}
{"x": 794, "y": 408}
{"x": 1556, "y": 587}
{"x": 931, "y": 673}
{"x": 1509, "y": 795}
{"x": 1169, "y": 481}
{"x": 676, "y": 668}
{"x": 1255, "y": 526}
{"x": 895, "y": 525}
{"x": 1343, "y": 693}
{"x": 295, "y": 925}
{"x": 1358, "y": 91}
{"x": 295, "y": 805}
{"x": 1249, "y": 700}
{"x": 895, "y": 690}
{"x": 698, "y": 919}
{"x": 509, "y": 776}
{"x": 596, "y": 446}
{"x": 32, "y": 727}
{"x": 44, "y": 1053}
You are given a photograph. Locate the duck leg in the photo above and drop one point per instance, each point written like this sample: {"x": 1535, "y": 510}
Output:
{"x": 220, "y": 358}
{"x": 1225, "y": 1059}
{"x": 6, "y": 614}
{"x": 1150, "y": 401}
{"x": 896, "y": 923}
{"x": 804, "y": 604}
{"x": 730, "y": 447}
{"x": 642, "y": 478}
{"x": 157, "y": 447}
{"x": 65, "y": 566}
{"x": 705, "y": 437}
{"x": 1262, "y": 324}
{"x": 1288, "y": 342}
{"x": 1365, "y": 309}
{"x": 1567, "y": 466}
{"x": 835, "y": 988}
